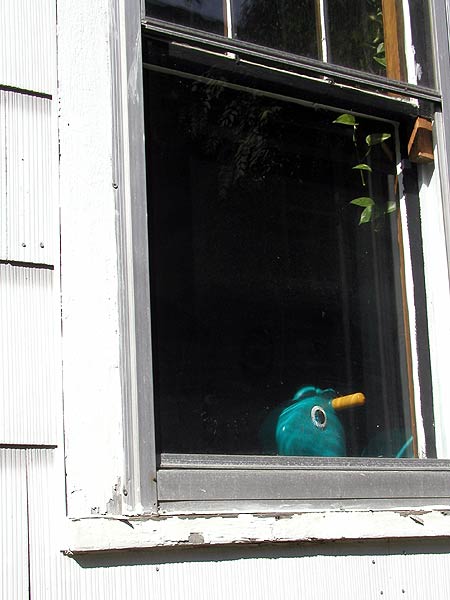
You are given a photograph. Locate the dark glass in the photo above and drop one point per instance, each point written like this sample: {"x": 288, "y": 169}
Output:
{"x": 206, "y": 15}
{"x": 423, "y": 45}
{"x": 356, "y": 35}
{"x": 263, "y": 279}
{"x": 356, "y": 32}
{"x": 288, "y": 25}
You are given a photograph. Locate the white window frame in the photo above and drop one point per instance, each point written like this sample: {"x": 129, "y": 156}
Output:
{"x": 223, "y": 485}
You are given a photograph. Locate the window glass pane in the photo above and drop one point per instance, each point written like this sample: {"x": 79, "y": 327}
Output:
{"x": 272, "y": 293}
{"x": 288, "y": 25}
{"x": 423, "y": 45}
{"x": 369, "y": 36}
{"x": 206, "y": 15}
{"x": 356, "y": 35}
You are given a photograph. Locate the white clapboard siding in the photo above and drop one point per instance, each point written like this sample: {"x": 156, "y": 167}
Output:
{"x": 27, "y": 44}
{"x": 3, "y": 180}
{"x": 402, "y": 569}
{"x": 29, "y": 372}
{"x": 13, "y": 526}
{"x": 46, "y": 522}
{"x": 28, "y": 214}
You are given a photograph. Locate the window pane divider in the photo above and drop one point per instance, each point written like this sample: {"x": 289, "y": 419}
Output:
{"x": 228, "y": 21}
{"x": 321, "y": 18}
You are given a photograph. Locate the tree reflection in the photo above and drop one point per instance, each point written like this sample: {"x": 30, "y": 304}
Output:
{"x": 288, "y": 25}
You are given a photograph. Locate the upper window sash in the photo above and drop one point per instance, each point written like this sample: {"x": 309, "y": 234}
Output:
{"x": 386, "y": 38}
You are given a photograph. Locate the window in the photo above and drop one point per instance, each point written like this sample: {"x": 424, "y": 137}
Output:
{"x": 283, "y": 173}
{"x": 369, "y": 36}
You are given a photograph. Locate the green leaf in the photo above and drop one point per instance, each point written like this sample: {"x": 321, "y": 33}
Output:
{"x": 346, "y": 119}
{"x": 380, "y": 48}
{"x": 363, "y": 167}
{"x": 363, "y": 201}
{"x": 377, "y": 138}
{"x": 391, "y": 207}
{"x": 366, "y": 215}
{"x": 380, "y": 61}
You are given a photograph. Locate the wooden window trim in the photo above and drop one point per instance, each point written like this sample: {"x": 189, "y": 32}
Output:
{"x": 394, "y": 39}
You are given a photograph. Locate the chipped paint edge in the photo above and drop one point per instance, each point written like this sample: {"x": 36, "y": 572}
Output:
{"x": 115, "y": 534}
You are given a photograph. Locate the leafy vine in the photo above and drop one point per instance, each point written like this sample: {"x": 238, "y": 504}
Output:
{"x": 371, "y": 210}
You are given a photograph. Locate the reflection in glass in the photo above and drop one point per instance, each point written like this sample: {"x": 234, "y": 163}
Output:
{"x": 356, "y": 35}
{"x": 423, "y": 42}
{"x": 272, "y": 294}
{"x": 366, "y": 35}
{"x": 206, "y": 15}
{"x": 288, "y": 25}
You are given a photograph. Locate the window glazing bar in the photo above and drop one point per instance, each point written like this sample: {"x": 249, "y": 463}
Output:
{"x": 409, "y": 47}
{"x": 227, "y": 19}
{"x": 322, "y": 30}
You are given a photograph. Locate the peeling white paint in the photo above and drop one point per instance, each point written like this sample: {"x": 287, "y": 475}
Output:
{"x": 104, "y": 534}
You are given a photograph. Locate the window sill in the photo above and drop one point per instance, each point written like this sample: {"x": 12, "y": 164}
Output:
{"x": 103, "y": 534}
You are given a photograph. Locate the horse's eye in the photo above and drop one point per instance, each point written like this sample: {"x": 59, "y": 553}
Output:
{"x": 319, "y": 417}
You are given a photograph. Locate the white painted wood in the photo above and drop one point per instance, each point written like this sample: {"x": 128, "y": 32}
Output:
{"x": 30, "y": 395}
{"x": 129, "y": 172}
{"x": 13, "y": 526}
{"x": 323, "y": 30}
{"x": 101, "y": 534}
{"x": 27, "y": 44}
{"x": 438, "y": 297}
{"x": 46, "y": 498}
{"x": 27, "y": 157}
{"x": 90, "y": 286}
{"x": 3, "y": 174}
{"x": 340, "y": 572}
{"x": 412, "y": 68}
{"x": 227, "y": 16}
{"x": 186, "y": 568}
{"x": 409, "y": 291}
{"x": 416, "y": 571}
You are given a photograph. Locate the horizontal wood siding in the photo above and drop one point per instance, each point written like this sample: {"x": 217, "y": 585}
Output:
{"x": 30, "y": 373}
{"x": 27, "y": 44}
{"x": 14, "y": 581}
{"x": 27, "y": 196}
